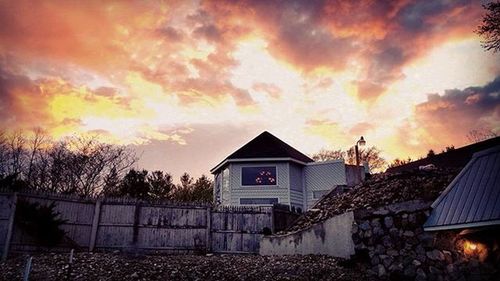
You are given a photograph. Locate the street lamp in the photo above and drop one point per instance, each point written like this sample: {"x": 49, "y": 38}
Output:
{"x": 360, "y": 142}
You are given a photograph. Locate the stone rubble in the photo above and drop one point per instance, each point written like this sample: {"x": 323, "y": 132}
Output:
{"x": 399, "y": 249}
{"x": 113, "y": 266}
{"x": 379, "y": 190}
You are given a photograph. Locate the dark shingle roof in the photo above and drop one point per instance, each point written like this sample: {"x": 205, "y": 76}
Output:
{"x": 472, "y": 198}
{"x": 267, "y": 145}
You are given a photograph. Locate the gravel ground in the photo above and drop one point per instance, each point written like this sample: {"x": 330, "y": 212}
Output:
{"x": 109, "y": 266}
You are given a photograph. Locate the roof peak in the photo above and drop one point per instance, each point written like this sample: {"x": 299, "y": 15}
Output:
{"x": 267, "y": 145}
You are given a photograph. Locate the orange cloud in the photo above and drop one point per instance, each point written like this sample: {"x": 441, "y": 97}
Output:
{"x": 446, "y": 119}
{"x": 140, "y": 72}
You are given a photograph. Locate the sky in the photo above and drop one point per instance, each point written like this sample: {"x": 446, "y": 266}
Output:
{"x": 185, "y": 83}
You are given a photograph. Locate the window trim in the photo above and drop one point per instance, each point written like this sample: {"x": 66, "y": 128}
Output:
{"x": 256, "y": 185}
{"x": 239, "y": 201}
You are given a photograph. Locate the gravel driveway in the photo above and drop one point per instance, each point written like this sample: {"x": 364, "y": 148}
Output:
{"x": 109, "y": 266}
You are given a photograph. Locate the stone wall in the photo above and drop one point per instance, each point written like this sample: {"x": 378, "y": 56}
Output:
{"x": 392, "y": 242}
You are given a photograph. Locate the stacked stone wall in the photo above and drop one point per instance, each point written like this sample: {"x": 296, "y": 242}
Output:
{"x": 391, "y": 240}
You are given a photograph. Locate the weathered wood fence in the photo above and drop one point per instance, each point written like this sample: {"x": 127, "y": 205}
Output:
{"x": 106, "y": 224}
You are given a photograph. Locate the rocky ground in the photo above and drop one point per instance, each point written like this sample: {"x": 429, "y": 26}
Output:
{"x": 113, "y": 266}
{"x": 379, "y": 190}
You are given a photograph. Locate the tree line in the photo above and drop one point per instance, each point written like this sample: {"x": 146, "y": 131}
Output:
{"x": 370, "y": 155}
{"x": 85, "y": 166}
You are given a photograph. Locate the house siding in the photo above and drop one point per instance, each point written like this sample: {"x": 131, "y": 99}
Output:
{"x": 297, "y": 199}
{"x": 280, "y": 191}
{"x": 322, "y": 177}
{"x": 296, "y": 186}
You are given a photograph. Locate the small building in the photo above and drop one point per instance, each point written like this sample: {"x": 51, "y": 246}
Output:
{"x": 471, "y": 204}
{"x": 266, "y": 171}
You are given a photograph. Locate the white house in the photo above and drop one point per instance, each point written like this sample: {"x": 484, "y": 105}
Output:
{"x": 266, "y": 170}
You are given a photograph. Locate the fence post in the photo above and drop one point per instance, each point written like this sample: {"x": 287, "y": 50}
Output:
{"x": 209, "y": 229}
{"x": 135, "y": 229}
{"x": 27, "y": 269}
{"x": 95, "y": 225}
{"x": 273, "y": 222}
{"x": 10, "y": 228}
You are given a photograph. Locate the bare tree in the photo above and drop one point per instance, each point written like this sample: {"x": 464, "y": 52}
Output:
{"x": 16, "y": 143}
{"x": 326, "y": 155}
{"x": 35, "y": 144}
{"x": 490, "y": 27}
{"x": 371, "y": 155}
{"x": 76, "y": 165}
{"x": 4, "y": 154}
{"x": 399, "y": 162}
{"x": 89, "y": 162}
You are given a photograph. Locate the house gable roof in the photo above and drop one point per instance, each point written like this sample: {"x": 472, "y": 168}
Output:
{"x": 266, "y": 146}
{"x": 472, "y": 199}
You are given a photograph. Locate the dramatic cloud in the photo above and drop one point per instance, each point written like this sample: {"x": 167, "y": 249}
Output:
{"x": 455, "y": 113}
{"x": 175, "y": 76}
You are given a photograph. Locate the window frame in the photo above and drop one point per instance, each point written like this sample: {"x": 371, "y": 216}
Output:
{"x": 239, "y": 201}
{"x": 257, "y": 185}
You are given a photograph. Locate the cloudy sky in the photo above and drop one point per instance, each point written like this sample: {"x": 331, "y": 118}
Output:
{"x": 185, "y": 83}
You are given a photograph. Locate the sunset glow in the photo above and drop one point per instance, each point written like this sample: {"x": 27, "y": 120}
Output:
{"x": 185, "y": 83}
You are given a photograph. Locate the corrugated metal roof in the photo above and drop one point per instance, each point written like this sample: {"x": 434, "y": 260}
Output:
{"x": 473, "y": 198}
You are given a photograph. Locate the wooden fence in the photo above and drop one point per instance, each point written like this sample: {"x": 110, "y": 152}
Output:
{"x": 106, "y": 224}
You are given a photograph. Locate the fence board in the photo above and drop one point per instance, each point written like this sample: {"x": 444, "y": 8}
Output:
{"x": 117, "y": 214}
{"x": 114, "y": 237}
{"x": 125, "y": 223}
{"x": 239, "y": 230}
{"x": 5, "y": 207}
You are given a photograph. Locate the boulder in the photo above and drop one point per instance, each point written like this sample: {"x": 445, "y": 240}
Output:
{"x": 421, "y": 276}
{"x": 388, "y": 222}
{"x": 435, "y": 255}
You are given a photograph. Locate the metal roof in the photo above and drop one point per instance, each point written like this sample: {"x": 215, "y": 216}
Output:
{"x": 472, "y": 199}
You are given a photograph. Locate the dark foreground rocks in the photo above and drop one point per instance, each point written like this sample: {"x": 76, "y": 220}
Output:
{"x": 108, "y": 266}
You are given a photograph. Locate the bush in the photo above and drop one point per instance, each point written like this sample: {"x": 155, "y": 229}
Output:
{"x": 40, "y": 221}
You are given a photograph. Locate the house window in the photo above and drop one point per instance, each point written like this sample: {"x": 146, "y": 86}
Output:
{"x": 225, "y": 200}
{"x": 258, "y": 201}
{"x": 258, "y": 176}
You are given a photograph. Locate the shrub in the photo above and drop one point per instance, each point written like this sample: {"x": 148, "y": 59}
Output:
{"x": 40, "y": 221}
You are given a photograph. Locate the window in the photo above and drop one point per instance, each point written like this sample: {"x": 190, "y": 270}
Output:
{"x": 258, "y": 201}
{"x": 258, "y": 176}
{"x": 225, "y": 188}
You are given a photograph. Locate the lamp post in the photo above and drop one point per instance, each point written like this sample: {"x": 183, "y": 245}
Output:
{"x": 360, "y": 142}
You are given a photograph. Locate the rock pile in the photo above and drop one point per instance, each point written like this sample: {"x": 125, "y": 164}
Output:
{"x": 379, "y": 190}
{"x": 108, "y": 266}
{"x": 392, "y": 241}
